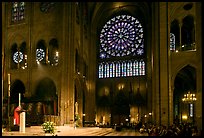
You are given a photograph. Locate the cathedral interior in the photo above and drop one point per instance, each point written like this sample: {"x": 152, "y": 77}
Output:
{"x": 102, "y": 62}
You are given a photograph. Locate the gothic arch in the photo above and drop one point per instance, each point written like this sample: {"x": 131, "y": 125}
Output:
{"x": 46, "y": 93}
{"x": 188, "y": 33}
{"x": 41, "y": 51}
{"x": 175, "y": 31}
{"x": 178, "y": 68}
{"x": 185, "y": 81}
{"x": 188, "y": 73}
{"x": 109, "y": 11}
{"x": 53, "y": 53}
{"x": 17, "y": 87}
{"x": 46, "y": 89}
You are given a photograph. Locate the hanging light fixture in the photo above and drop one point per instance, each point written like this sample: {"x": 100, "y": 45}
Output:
{"x": 189, "y": 97}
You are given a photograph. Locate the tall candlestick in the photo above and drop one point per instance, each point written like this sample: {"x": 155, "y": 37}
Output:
{"x": 19, "y": 99}
{"x": 9, "y": 87}
{"x": 9, "y": 78}
{"x": 76, "y": 108}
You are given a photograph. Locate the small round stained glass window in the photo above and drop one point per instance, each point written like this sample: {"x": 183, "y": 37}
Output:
{"x": 40, "y": 54}
{"x": 121, "y": 36}
{"x": 18, "y": 57}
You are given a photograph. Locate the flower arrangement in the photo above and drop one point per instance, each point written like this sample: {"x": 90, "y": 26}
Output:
{"x": 48, "y": 127}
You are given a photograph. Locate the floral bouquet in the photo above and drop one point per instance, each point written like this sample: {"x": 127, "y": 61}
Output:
{"x": 48, "y": 127}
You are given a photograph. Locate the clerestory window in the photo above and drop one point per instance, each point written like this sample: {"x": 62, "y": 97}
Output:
{"x": 121, "y": 37}
{"x": 18, "y": 11}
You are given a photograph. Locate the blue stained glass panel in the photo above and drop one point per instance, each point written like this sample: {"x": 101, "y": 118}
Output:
{"x": 119, "y": 33}
{"x": 122, "y": 36}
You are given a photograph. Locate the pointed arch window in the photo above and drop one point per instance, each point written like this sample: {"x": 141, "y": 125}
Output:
{"x": 188, "y": 34}
{"x": 174, "y": 36}
{"x": 118, "y": 69}
{"x": 101, "y": 70}
{"x": 111, "y": 69}
{"x": 172, "y": 42}
{"x": 18, "y": 11}
{"x": 124, "y": 69}
{"x": 53, "y": 53}
{"x": 19, "y": 56}
{"x": 122, "y": 37}
{"x": 142, "y": 67}
{"x": 41, "y": 52}
{"x": 129, "y": 69}
{"x": 106, "y": 70}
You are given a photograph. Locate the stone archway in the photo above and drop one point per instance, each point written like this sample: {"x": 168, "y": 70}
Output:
{"x": 16, "y": 88}
{"x": 10, "y": 103}
{"x": 46, "y": 93}
{"x": 184, "y": 82}
{"x": 121, "y": 108}
{"x": 44, "y": 104}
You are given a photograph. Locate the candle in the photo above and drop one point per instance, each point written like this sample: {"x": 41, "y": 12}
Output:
{"x": 76, "y": 107}
{"x": 9, "y": 90}
{"x": 19, "y": 99}
{"x": 9, "y": 78}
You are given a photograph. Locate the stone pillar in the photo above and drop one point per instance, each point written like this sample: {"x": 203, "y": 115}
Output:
{"x": 164, "y": 64}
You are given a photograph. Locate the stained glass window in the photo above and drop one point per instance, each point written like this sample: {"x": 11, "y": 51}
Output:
{"x": 142, "y": 68}
{"x": 172, "y": 42}
{"x": 134, "y": 69}
{"x": 107, "y": 70}
{"x": 18, "y": 57}
{"x": 18, "y": 11}
{"x": 100, "y": 71}
{"x": 118, "y": 69}
{"x": 129, "y": 68}
{"x": 121, "y": 68}
{"x": 191, "y": 110}
{"x": 111, "y": 69}
{"x": 121, "y": 36}
{"x": 40, "y": 54}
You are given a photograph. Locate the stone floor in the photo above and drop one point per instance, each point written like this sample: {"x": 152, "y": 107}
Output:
{"x": 70, "y": 131}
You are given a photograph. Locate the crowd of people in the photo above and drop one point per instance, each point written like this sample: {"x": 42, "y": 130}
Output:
{"x": 183, "y": 129}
